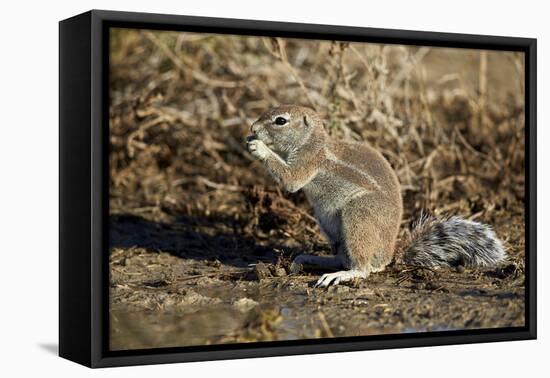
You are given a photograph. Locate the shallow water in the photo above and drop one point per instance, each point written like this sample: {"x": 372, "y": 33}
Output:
{"x": 153, "y": 313}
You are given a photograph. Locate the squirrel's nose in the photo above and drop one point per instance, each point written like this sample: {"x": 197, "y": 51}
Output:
{"x": 254, "y": 128}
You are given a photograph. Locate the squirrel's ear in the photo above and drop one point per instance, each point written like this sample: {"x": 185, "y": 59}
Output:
{"x": 308, "y": 121}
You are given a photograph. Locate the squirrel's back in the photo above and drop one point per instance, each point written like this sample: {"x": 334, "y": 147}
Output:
{"x": 350, "y": 170}
{"x": 362, "y": 157}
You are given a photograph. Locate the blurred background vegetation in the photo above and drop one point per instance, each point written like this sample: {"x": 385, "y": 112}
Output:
{"x": 450, "y": 121}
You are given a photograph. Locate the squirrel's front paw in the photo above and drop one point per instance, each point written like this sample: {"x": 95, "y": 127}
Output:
{"x": 258, "y": 149}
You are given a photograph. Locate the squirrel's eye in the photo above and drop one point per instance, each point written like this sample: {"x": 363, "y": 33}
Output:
{"x": 280, "y": 121}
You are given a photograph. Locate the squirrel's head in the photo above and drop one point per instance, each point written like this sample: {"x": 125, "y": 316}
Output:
{"x": 286, "y": 128}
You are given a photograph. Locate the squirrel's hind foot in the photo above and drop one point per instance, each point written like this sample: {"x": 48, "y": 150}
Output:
{"x": 341, "y": 276}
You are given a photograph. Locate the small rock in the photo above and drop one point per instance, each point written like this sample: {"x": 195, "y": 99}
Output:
{"x": 261, "y": 271}
{"x": 342, "y": 289}
{"x": 423, "y": 274}
{"x": 193, "y": 298}
{"x": 460, "y": 269}
{"x": 208, "y": 281}
{"x": 245, "y": 304}
{"x": 277, "y": 271}
{"x": 296, "y": 268}
{"x": 431, "y": 286}
{"x": 215, "y": 263}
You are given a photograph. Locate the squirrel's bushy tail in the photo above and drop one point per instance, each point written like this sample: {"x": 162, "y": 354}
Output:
{"x": 451, "y": 242}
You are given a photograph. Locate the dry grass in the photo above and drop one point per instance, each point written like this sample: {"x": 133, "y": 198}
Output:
{"x": 451, "y": 122}
{"x": 198, "y": 229}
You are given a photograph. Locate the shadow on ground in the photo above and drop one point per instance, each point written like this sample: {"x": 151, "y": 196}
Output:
{"x": 51, "y": 348}
{"x": 192, "y": 238}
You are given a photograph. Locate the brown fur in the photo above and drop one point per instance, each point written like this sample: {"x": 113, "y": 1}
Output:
{"x": 352, "y": 188}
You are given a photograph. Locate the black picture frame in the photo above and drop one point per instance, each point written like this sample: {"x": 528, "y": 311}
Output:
{"x": 83, "y": 181}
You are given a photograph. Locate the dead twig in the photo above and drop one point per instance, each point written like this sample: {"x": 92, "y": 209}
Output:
{"x": 284, "y": 58}
{"x": 196, "y": 74}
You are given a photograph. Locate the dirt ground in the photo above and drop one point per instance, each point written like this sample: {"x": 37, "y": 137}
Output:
{"x": 201, "y": 239}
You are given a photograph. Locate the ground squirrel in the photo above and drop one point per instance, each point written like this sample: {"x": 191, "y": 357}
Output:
{"x": 356, "y": 197}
